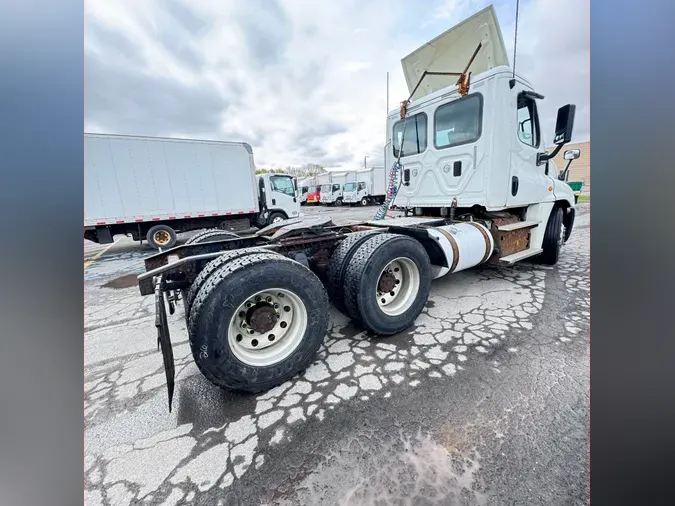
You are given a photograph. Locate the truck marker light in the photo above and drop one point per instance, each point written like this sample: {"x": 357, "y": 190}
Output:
{"x": 550, "y": 188}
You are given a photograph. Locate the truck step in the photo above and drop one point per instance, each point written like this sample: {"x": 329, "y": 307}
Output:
{"x": 518, "y": 225}
{"x": 521, "y": 255}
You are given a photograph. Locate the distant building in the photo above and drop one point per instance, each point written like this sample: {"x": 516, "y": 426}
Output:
{"x": 580, "y": 170}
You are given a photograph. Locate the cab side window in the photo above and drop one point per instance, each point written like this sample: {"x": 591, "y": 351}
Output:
{"x": 282, "y": 184}
{"x": 362, "y": 186}
{"x": 528, "y": 121}
{"x": 413, "y": 132}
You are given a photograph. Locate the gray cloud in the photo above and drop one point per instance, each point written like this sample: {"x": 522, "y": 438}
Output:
{"x": 185, "y": 17}
{"x": 266, "y": 30}
{"x": 124, "y": 100}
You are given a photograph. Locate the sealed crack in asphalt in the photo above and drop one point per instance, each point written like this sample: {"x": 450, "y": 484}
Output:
{"x": 483, "y": 401}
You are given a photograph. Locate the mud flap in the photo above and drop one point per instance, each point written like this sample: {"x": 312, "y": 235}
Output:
{"x": 163, "y": 337}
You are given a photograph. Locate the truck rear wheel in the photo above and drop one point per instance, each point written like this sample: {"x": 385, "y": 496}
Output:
{"x": 339, "y": 262}
{"x": 161, "y": 236}
{"x": 554, "y": 237}
{"x": 257, "y": 321}
{"x": 338, "y": 201}
{"x": 387, "y": 283}
{"x": 190, "y": 294}
{"x": 210, "y": 236}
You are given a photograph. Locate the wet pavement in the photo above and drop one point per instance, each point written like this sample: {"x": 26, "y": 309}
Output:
{"x": 484, "y": 401}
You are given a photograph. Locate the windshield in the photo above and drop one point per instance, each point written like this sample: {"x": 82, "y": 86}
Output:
{"x": 349, "y": 187}
{"x": 325, "y": 188}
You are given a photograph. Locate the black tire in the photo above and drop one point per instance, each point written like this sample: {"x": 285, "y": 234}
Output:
{"x": 210, "y": 236}
{"x": 339, "y": 262}
{"x": 553, "y": 237}
{"x": 190, "y": 294}
{"x": 362, "y": 277}
{"x": 338, "y": 201}
{"x": 275, "y": 216}
{"x": 161, "y": 236}
{"x": 223, "y": 293}
{"x": 364, "y": 201}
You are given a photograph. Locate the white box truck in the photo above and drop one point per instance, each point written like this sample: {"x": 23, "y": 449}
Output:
{"x": 331, "y": 193}
{"x": 305, "y": 187}
{"x": 154, "y": 188}
{"x": 470, "y": 160}
{"x": 369, "y": 187}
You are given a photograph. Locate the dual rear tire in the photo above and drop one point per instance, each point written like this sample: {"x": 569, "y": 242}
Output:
{"x": 248, "y": 334}
{"x": 380, "y": 280}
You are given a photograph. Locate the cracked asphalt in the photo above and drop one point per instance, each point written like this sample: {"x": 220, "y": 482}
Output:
{"x": 485, "y": 401}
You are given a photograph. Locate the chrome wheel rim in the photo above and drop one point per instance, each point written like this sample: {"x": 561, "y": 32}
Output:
{"x": 397, "y": 286}
{"x": 267, "y": 327}
{"x": 277, "y": 219}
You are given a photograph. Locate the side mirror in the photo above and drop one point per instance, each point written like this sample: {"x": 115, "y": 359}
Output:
{"x": 564, "y": 124}
{"x": 572, "y": 154}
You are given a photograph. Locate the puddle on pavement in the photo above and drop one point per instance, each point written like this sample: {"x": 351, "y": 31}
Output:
{"x": 410, "y": 471}
{"x": 126, "y": 281}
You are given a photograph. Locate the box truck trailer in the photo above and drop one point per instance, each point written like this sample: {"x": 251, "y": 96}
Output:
{"x": 153, "y": 188}
{"x": 469, "y": 161}
{"x": 369, "y": 187}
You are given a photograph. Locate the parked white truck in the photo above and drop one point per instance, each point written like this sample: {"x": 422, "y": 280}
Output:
{"x": 469, "y": 159}
{"x": 154, "y": 188}
{"x": 369, "y": 187}
{"x": 331, "y": 192}
{"x": 305, "y": 187}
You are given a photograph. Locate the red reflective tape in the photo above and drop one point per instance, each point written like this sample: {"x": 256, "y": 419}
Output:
{"x": 100, "y": 222}
{"x": 155, "y": 219}
{"x": 188, "y": 216}
{"x": 240, "y": 212}
{"x": 228, "y": 213}
{"x": 200, "y": 215}
{"x": 139, "y": 219}
{"x": 119, "y": 221}
{"x": 251, "y": 211}
{"x": 214, "y": 214}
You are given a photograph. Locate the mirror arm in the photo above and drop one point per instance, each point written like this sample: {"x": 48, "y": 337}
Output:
{"x": 563, "y": 174}
{"x": 543, "y": 157}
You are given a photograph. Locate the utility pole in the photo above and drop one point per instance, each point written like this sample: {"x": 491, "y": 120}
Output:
{"x": 364, "y": 162}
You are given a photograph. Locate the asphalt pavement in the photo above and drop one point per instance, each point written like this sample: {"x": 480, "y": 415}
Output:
{"x": 485, "y": 401}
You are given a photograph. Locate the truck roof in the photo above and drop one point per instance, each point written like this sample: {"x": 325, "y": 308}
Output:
{"x": 168, "y": 139}
{"x": 505, "y": 70}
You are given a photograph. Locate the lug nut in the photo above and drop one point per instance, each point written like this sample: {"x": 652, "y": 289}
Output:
{"x": 283, "y": 325}
{"x": 287, "y": 308}
{"x": 269, "y": 299}
{"x": 242, "y": 314}
{"x": 243, "y": 325}
{"x": 258, "y": 298}
{"x": 254, "y": 343}
{"x": 249, "y": 304}
{"x": 250, "y": 331}
{"x": 276, "y": 306}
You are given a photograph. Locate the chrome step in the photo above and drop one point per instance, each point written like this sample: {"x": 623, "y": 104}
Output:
{"x": 518, "y": 225}
{"x": 521, "y": 255}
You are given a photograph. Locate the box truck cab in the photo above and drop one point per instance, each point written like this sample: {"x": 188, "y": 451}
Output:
{"x": 369, "y": 187}
{"x": 331, "y": 192}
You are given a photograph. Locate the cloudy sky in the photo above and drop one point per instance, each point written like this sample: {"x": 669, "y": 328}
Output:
{"x": 301, "y": 80}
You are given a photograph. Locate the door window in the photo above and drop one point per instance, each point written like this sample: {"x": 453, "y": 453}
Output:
{"x": 282, "y": 184}
{"x": 528, "y": 121}
{"x": 362, "y": 186}
{"x": 336, "y": 187}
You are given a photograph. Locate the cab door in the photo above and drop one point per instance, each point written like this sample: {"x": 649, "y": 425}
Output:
{"x": 283, "y": 195}
{"x": 528, "y": 183}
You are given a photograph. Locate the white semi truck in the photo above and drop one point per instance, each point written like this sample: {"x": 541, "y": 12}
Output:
{"x": 467, "y": 160}
{"x": 331, "y": 191}
{"x": 153, "y": 188}
{"x": 369, "y": 187}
